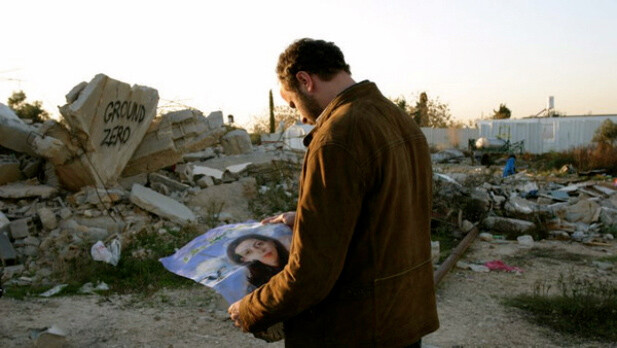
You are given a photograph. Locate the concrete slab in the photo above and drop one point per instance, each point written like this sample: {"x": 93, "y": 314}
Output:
{"x": 19, "y": 190}
{"x": 160, "y": 205}
{"x": 109, "y": 118}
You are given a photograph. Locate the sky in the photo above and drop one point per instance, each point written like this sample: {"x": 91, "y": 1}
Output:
{"x": 221, "y": 55}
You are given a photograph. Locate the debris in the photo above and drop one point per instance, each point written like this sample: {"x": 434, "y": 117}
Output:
{"x": 237, "y": 142}
{"x": 507, "y": 225}
{"x": 525, "y": 240}
{"x": 479, "y": 268}
{"x": 163, "y": 206}
{"x": 498, "y": 265}
{"x": 52, "y": 337}
{"x": 9, "y": 169}
{"x": 19, "y": 190}
{"x": 48, "y": 218}
{"x": 7, "y": 252}
{"x": 109, "y": 255}
{"x": 22, "y": 228}
{"x": 603, "y": 266}
{"x": 448, "y": 155}
{"x": 109, "y": 119}
{"x": 54, "y": 291}
{"x": 486, "y": 237}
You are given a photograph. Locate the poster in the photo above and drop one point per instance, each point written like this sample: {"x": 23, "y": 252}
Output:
{"x": 233, "y": 259}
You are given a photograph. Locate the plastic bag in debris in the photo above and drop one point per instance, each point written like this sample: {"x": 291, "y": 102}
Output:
{"x": 110, "y": 255}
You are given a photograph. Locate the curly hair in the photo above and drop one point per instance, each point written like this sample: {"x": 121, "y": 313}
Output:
{"x": 259, "y": 273}
{"x": 318, "y": 57}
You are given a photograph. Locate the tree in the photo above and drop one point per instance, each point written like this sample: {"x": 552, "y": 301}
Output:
{"x": 33, "y": 112}
{"x": 606, "y": 133}
{"x": 427, "y": 112}
{"x": 272, "y": 125}
{"x": 502, "y": 113}
{"x": 282, "y": 113}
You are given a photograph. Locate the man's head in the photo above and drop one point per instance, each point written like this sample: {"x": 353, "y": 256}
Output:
{"x": 311, "y": 72}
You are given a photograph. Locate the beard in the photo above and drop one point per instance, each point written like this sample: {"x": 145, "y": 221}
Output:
{"x": 309, "y": 108}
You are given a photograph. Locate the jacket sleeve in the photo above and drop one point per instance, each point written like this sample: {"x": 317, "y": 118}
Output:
{"x": 328, "y": 208}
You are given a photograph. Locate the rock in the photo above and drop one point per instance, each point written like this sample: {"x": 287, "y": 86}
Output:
{"x": 507, "y": 225}
{"x": 484, "y": 236}
{"x": 65, "y": 213}
{"x": 560, "y": 235}
{"x": 156, "y": 151}
{"x": 48, "y": 218}
{"x": 479, "y": 268}
{"x": 467, "y": 226}
{"x": 201, "y": 170}
{"x": 22, "y": 228}
{"x": 520, "y": 206}
{"x": 525, "y": 240}
{"x": 205, "y": 182}
{"x": 605, "y": 190}
{"x": 9, "y": 169}
{"x": 233, "y": 197}
{"x": 127, "y": 182}
{"x": 4, "y": 221}
{"x": 53, "y": 337}
{"x": 110, "y": 119}
{"x": 583, "y": 211}
{"x": 170, "y": 183}
{"x": 19, "y": 190}
{"x": 578, "y": 236}
{"x": 173, "y": 134}
{"x": 237, "y": 142}
{"x": 608, "y": 236}
{"x": 7, "y": 251}
{"x": 449, "y": 155}
{"x": 161, "y": 205}
{"x": 604, "y": 266}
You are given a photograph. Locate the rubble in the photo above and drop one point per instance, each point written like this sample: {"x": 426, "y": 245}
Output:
{"x": 163, "y": 206}
{"x": 21, "y": 190}
{"x": 237, "y": 142}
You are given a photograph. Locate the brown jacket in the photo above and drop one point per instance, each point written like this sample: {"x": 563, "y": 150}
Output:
{"x": 359, "y": 271}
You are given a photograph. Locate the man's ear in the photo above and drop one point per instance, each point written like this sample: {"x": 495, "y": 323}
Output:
{"x": 305, "y": 79}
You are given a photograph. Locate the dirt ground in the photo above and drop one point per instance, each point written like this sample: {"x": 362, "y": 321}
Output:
{"x": 469, "y": 304}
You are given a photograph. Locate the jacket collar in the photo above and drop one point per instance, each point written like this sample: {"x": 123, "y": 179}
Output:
{"x": 351, "y": 93}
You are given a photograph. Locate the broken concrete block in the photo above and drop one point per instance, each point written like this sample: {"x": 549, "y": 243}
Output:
{"x": 20, "y": 190}
{"x": 170, "y": 183}
{"x": 127, "y": 182}
{"x": 205, "y": 181}
{"x": 584, "y": 211}
{"x": 157, "y": 150}
{"x": 204, "y": 155}
{"x": 215, "y": 120}
{"x": 109, "y": 119}
{"x": 22, "y": 228}
{"x": 4, "y": 221}
{"x": 237, "y": 142}
{"x": 520, "y": 206}
{"x": 507, "y": 225}
{"x": 605, "y": 190}
{"x": 9, "y": 169}
{"x": 7, "y": 252}
{"x": 48, "y": 218}
{"x": 161, "y": 205}
{"x": 232, "y": 197}
{"x": 201, "y": 170}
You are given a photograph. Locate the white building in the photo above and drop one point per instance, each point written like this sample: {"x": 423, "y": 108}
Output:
{"x": 545, "y": 134}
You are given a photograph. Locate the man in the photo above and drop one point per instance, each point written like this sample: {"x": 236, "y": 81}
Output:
{"x": 359, "y": 271}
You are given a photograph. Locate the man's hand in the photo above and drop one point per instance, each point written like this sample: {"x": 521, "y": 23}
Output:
{"x": 287, "y": 218}
{"x": 234, "y": 314}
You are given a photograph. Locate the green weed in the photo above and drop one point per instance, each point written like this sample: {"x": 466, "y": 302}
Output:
{"x": 580, "y": 307}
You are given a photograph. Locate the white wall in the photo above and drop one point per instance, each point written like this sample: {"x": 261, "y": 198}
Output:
{"x": 545, "y": 134}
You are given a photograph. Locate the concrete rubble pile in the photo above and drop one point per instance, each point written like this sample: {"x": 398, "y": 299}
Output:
{"x": 562, "y": 209}
{"x": 111, "y": 169}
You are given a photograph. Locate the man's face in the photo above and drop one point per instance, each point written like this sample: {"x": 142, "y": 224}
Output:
{"x": 306, "y": 105}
